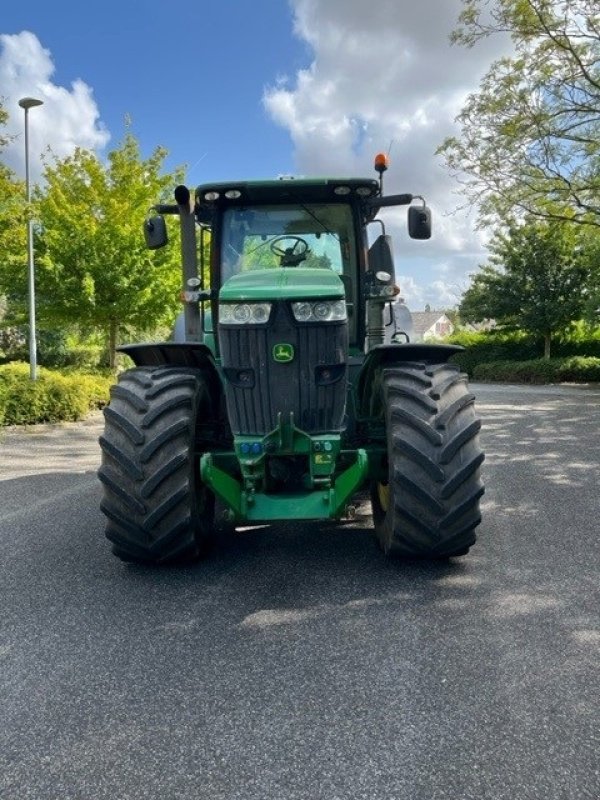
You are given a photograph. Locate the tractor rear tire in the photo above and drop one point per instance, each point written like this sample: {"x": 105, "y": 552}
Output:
{"x": 158, "y": 510}
{"x": 429, "y": 505}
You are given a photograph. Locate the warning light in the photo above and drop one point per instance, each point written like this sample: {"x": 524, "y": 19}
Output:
{"x": 382, "y": 162}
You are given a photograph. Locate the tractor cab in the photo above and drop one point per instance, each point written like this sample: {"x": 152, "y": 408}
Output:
{"x": 291, "y": 225}
{"x": 318, "y": 225}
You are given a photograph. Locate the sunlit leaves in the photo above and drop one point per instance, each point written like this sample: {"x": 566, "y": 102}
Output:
{"x": 13, "y": 238}
{"x": 530, "y": 137}
{"x": 93, "y": 267}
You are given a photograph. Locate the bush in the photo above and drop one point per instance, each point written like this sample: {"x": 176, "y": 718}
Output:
{"x": 53, "y": 397}
{"x": 482, "y": 348}
{"x": 577, "y": 369}
{"x": 495, "y": 346}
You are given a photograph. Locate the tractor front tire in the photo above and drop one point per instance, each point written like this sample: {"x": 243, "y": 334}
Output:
{"x": 428, "y": 507}
{"x": 157, "y": 509}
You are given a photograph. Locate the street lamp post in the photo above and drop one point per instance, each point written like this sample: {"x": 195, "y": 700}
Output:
{"x": 26, "y": 103}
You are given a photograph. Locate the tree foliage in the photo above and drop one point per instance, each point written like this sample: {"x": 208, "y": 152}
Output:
{"x": 590, "y": 254}
{"x": 13, "y": 239}
{"x": 3, "y": 120}
{"x": 93, "y": 267}
{"x": 530, "y": 137}
{"x": 535, "y": 281}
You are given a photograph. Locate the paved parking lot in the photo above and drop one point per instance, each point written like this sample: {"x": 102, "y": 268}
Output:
{"x": 298, "y": 662}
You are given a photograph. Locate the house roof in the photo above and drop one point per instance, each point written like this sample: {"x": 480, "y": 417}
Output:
{"x": 424, "y": 320}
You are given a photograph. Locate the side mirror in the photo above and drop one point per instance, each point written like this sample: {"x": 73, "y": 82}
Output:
{"x": 419, "y": 222}
{"x": 155, "y": 232}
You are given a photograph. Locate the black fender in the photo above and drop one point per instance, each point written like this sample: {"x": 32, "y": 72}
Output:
{"x": 170, "y": 354}
{"x": 383, "y": 355}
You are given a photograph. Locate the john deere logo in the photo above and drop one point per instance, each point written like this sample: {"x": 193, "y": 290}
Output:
{"x": 282, "y": 353}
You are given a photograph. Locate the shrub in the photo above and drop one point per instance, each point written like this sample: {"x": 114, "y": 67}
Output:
{"x": 577, "y": 369}
{"x": 53, "y": 397}
{"x": 495, "y": 346}
{"x": 481, "y": 348}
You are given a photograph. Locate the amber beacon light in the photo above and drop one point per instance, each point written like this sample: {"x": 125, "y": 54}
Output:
{"x": 382, "y": 162}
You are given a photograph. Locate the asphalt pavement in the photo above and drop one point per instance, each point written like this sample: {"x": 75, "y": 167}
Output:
{"x": 298, "y": 662}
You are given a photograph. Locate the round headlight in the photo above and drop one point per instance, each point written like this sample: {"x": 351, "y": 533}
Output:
{"x": 242, "y": 313}
{"x": 233, "y": 194}
{"x": 342, "y": 190}
{"x": 210, "y": 196}
{"x": 260, "y": 312}
{"x": 322, "y": 311}
{"x": 302, "y": 311}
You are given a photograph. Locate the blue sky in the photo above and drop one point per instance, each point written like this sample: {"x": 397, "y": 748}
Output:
{"x": 240, "y": 89}
{"x": 191, "y": 77}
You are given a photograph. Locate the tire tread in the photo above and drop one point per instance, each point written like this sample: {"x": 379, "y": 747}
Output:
{"x": 156, "y": 508}
{"x": 434, "y": 463}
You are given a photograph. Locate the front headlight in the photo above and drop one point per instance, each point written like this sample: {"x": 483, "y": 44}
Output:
{"x": 244, "y": 313}
{"x": 321, "y": 311}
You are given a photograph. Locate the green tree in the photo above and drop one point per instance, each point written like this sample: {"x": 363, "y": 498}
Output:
{"x": 13, "y": 239}
{"x": 536, "y": 281}
{"x": 530, "y": 137}
{"x": 589, "y": 247}
{"x": 94, "y": 269}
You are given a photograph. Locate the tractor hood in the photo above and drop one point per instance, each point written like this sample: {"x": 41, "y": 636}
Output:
{"x": 285, "y": 283}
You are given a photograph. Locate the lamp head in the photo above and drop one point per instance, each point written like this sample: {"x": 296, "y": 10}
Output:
{"x": 30, "y": 102}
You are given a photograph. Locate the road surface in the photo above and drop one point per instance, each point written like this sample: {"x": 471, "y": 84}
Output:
{"x": 298, "y": 663}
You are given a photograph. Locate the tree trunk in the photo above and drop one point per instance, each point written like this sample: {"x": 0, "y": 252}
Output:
{"x": 112, "y": 344}
{"x": 547, "y": 340}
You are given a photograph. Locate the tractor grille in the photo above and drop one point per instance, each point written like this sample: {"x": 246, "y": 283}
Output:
{"x": 312, "y": 386}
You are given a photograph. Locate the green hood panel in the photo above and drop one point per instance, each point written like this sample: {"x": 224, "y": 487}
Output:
{"x": 285, "y": 283}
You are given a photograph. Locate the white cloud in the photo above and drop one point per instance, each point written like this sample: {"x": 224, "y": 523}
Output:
{"x": 410, "y": 291}
{"x": 68, "y": 118}
{"x": 384, "y": 73}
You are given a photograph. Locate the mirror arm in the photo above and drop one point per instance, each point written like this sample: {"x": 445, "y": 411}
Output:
{"x": 390, "y": 200}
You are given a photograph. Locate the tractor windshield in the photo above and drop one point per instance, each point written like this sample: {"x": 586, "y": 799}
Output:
{"x": 302, "y": 235}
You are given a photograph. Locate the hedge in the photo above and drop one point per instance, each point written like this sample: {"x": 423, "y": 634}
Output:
{"x": 577, "y": 369}
{"x": 53, "y": 397}
{"x": 496, "y": 346}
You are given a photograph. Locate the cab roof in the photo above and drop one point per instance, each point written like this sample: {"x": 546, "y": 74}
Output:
{"x": 316, "y": 190}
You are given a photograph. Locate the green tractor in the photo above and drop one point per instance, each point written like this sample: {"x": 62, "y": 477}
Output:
{"x": 277, "y": 398}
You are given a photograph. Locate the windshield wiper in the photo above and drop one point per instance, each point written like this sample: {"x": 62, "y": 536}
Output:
{"x": 320, "y": 221}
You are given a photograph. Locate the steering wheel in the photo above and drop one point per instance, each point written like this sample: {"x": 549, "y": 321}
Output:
{"x": 291, "y": 255}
